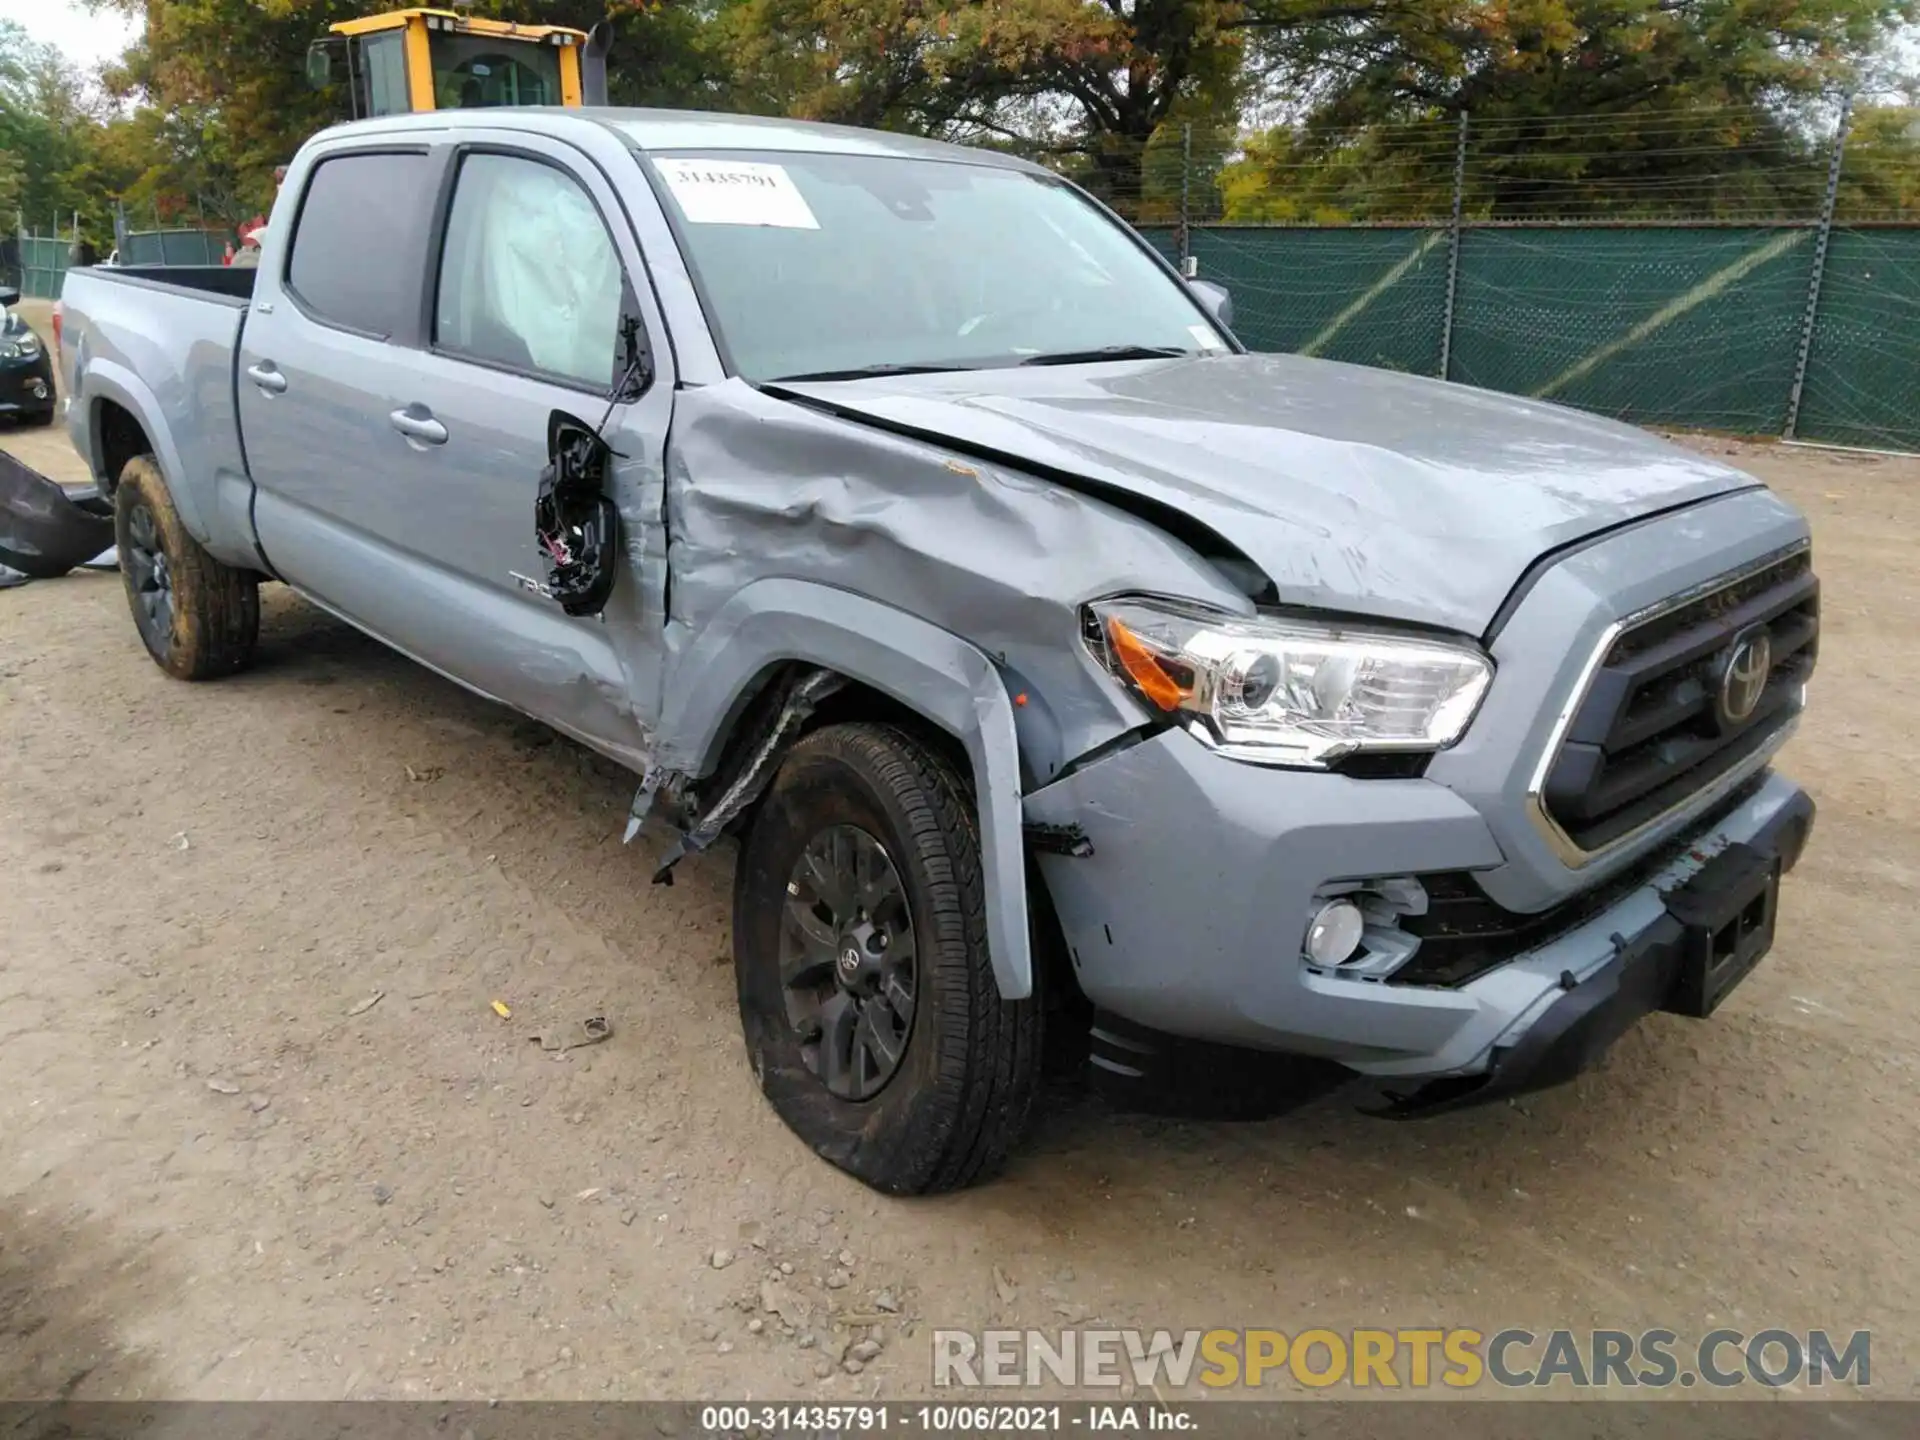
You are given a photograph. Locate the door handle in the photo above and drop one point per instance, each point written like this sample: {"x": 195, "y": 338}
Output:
{"x": 267, "y": 378}
{"x": 422, "y": 427}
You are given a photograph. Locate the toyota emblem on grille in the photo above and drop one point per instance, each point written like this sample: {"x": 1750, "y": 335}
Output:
{"x": 1744, "y": 679}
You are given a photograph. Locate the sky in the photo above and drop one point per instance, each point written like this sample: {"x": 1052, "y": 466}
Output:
{"x": 84, "y": 36}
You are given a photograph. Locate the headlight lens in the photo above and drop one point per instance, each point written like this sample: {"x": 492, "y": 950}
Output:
{"x": 1290, "y": 692}
{"x": 29, "y": 344}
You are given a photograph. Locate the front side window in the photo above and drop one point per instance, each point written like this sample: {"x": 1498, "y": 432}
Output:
{"x": 529, "y": 277}
{"x": 816, "y": 264}
{"x": 472, "y": 72}
{"x": 356, "y": 255}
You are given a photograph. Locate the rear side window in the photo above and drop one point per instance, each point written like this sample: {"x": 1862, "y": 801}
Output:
{"x": 356, "y": 246}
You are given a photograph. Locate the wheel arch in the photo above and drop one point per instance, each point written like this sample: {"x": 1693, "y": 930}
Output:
{"x": 903, "y": 666}
{"x": 123, "y": 412}
{"x": 118, "y": 436}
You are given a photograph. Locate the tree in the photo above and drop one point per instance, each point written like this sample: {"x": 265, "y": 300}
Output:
{"x": 1881, "y": 176}
{"x": 225, "y": 81}
{"x": 1089, "y": 85}
{"x": 1577, "y": 107}
{"x": 50, "y": 129}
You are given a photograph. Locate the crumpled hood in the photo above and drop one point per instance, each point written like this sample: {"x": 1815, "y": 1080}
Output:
{"x": 1354, "y": 489}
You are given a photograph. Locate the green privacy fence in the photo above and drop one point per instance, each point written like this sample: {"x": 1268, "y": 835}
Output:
{"x": 173, "y": 247}
{"x": 1863, "y": 367}
{"x": 1683, "y": 325}
{"x": 42, "y": 259}
{"x": 43, "y": 264}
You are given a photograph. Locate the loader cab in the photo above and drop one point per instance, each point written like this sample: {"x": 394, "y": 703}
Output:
{"x": 413, "y": 60}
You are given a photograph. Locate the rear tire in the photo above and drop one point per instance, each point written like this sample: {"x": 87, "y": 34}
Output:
{"x": 906, "y": 1070}
{"x": 197, "y": 616}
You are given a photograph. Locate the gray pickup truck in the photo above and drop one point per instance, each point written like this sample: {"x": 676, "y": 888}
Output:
{"x": 1062, "y": 667}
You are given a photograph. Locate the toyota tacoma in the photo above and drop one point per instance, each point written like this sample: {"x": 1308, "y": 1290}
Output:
{"x": 1059, "y": 665}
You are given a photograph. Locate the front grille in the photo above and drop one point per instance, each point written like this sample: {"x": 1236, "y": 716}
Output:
{"x": 1657, "y": 724}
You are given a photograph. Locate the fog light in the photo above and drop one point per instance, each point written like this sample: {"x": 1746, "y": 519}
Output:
{"x": 1334, "y": 933}
{"x": 38, "y": 389}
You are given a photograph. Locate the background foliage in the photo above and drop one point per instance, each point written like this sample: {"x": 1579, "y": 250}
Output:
{"x": 1263, "y": 110}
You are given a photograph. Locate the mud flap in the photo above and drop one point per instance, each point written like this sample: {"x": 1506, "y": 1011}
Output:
{"x": 43, "y": 533}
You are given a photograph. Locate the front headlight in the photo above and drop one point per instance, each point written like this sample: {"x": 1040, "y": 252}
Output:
{"x": 29, "y": 344}
{"x": 1290, "y": 692}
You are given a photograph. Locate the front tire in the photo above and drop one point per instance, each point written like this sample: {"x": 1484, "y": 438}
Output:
{"x": 871, "y": 1015}
{"x": 197, "y": 616}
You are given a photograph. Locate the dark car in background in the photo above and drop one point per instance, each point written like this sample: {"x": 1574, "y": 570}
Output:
{"x": 26, "y": 369}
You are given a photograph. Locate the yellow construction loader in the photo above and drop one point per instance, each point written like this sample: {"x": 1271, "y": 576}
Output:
{"x": 419, "y": 59}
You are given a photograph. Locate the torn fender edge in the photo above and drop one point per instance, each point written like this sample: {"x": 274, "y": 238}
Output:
{"x": 931, "y": 671}
{"x": 749, "y": 777}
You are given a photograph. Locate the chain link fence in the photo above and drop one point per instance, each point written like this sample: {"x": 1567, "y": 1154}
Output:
{"x": 1757, "y": 298}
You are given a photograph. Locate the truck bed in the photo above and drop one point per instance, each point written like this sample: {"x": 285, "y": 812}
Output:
{"x": 229, "y": 282}
{"x": 159, "y": 343}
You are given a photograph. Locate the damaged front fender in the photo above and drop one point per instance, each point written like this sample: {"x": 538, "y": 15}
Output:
{"x": 932, "y": 672}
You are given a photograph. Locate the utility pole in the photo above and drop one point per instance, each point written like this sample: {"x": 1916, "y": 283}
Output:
{"x": 1186, "y": 174}
{"x": 1453, "y": 249}
{"x": 1820, "y": 242}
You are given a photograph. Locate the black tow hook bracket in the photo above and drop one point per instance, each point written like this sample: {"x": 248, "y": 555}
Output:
{"x": 574, "y": 522}
{"x": 1058, "y": 839}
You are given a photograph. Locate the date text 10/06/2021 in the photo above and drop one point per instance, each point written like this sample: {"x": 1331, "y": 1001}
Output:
{"x": 940, "y": 1419}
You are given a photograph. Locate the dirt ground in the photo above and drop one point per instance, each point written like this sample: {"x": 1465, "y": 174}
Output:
{"x": 262, "y": 1134}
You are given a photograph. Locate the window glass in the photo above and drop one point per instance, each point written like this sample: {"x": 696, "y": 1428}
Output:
{"x": 384, "y": 73}
{"x": 474, "y": 71}
{"x": 529, "y": 277}
{"x": 356, "y": 246}
{"x": 817, "y": 263}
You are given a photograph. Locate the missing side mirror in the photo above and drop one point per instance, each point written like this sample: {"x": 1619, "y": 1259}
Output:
{"x": 574, "y": 521}
{"x": 1214, "y": 299}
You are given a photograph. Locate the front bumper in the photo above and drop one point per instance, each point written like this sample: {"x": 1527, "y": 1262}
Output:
{"x": 1188, "y": 914}
{"x": 1647, "y": 973}
{"x": 26, "y": 385}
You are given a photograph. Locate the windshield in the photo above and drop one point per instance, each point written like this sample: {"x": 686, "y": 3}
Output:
{"x": 819, "y": 265}
{"x": 473, "y": 72}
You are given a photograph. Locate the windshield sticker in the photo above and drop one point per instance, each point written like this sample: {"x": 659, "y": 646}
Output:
{"x": 737, "y": 192}
{"x": 1205, "y": 337}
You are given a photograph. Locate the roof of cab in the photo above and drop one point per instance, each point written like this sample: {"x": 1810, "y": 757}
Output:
{"x": 669, "y": 130}
{"x": 451, "y": 20}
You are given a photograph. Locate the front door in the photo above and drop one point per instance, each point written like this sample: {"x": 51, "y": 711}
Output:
{"x": 532, "y": 312}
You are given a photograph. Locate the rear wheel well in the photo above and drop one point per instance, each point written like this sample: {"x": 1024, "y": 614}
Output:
{"x": 120, "y": 439}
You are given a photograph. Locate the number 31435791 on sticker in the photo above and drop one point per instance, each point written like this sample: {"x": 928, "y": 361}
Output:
{"x": 737, "y": 192}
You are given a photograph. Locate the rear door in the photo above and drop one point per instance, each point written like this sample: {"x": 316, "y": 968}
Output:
{"x": 326, "y": 350}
